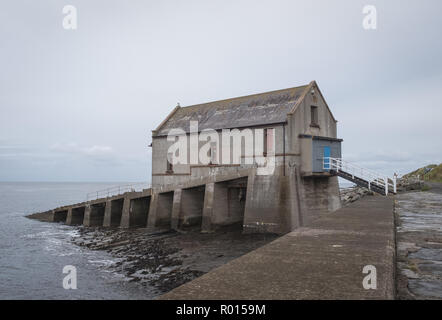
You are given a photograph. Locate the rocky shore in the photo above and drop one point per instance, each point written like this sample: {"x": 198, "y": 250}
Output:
{"x": 168, "y": 259}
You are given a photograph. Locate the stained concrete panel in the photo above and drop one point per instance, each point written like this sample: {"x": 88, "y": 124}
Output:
{"x": 75, "y": 216}
{"x": 94, "y": 215}
{"x": 139, "y": 209}
{"x": 192, "y": 203}
{"x": 60, "y": 216}
{"x": 113, "y": 212}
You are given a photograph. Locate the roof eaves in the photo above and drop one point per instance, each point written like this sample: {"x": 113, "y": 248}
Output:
{"x": 301, "y": 98}
{"x": 166, "y": 119}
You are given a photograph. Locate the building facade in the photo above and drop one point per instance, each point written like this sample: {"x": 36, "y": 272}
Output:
{"x": 256, "y": 160}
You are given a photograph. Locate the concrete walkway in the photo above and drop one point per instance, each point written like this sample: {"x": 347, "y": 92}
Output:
{"x": 323, "y": 261}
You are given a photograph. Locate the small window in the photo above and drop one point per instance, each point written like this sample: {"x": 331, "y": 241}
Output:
{"x": 314, "y": 116}
{"x": 169, "y": 163}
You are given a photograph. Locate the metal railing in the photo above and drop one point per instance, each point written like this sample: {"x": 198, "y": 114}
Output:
{"x": 373, "y": 178}
{"x": 117, "y": 190}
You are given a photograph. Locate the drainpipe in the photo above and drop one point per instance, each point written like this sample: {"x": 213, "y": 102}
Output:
{"x": 283, "y": 148}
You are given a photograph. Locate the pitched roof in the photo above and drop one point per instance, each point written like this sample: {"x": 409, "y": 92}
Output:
{"x": 253, "y": 110}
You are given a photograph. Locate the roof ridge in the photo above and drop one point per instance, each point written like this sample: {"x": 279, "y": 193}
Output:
{"x": 246, "y": 96}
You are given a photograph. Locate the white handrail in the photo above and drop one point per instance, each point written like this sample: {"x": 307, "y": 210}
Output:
{"x": 372, "y": 177}
{"x": 117, "y": 190}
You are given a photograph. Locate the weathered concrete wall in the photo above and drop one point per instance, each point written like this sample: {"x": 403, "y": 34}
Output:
{"x": 183, "y": 173}
{"x": 60, "y": 216}
{"x": 268, "y": 207}
{"x": 160, "y": 211}
{"x": 94, "y": 215}
{"x": 136, "y": 209}
{"x": 139, "y": 209}
{"x": 75, "y": 216}
{"x": 321, "y": 196}
{"x": 113, "y": 212}
{"x": 192, "y": 202}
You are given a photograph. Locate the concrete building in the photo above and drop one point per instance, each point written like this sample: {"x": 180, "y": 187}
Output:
{"x": 268, "y": 161}
{"x": 256, "y": 160}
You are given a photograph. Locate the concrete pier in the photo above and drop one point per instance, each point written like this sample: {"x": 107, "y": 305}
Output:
{"x": 322, "y": 261}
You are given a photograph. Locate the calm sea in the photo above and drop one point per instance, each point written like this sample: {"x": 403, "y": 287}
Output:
{"x": 33, "y": 253}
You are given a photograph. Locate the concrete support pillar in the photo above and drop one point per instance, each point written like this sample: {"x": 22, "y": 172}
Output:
{"x": 107, "y": 214}
{"x": 87, "y": 216}
{"x": 176, "y": 209}
{"x": 208, "y": 209}
{"x": 69, "y": 217}
{"x": 268, "y": 204}
{"x": 160, "y": 210}
{"x": 125, "y": 217}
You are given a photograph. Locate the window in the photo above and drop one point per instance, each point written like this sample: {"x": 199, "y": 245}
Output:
{"x": 169, "y": 168}
{"x": 314, "y": 116}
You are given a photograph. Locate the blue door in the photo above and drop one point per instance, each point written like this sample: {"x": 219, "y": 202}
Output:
{"x": 326, "y": 158}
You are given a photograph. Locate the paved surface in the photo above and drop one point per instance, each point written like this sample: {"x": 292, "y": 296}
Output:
{"x": 323, "y": 261}
{"x": 419, "y": 240}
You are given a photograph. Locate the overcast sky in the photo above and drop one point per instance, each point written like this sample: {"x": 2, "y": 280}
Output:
{"x": 79, "y": 105}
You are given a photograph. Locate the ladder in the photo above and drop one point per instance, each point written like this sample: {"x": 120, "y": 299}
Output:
{"x": 363, "y": 177}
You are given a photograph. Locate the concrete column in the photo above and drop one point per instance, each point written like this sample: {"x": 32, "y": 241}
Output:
{"x": 69, "y": 217}
{"x": 268, "y": 204}
{"x": 160, "y": 210}
{"x": 125, "y": 216}
{"x": 107, "y": 214}
{"x": 208, "y": 209}
{"x": 152, "y": 216}
{"x": 87, "y": 216}
{"x": 113, "y": 212}
{"x": 176, "y": 209}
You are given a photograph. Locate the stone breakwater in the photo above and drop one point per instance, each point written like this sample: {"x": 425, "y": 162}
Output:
{"x": 350, "y": 195}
